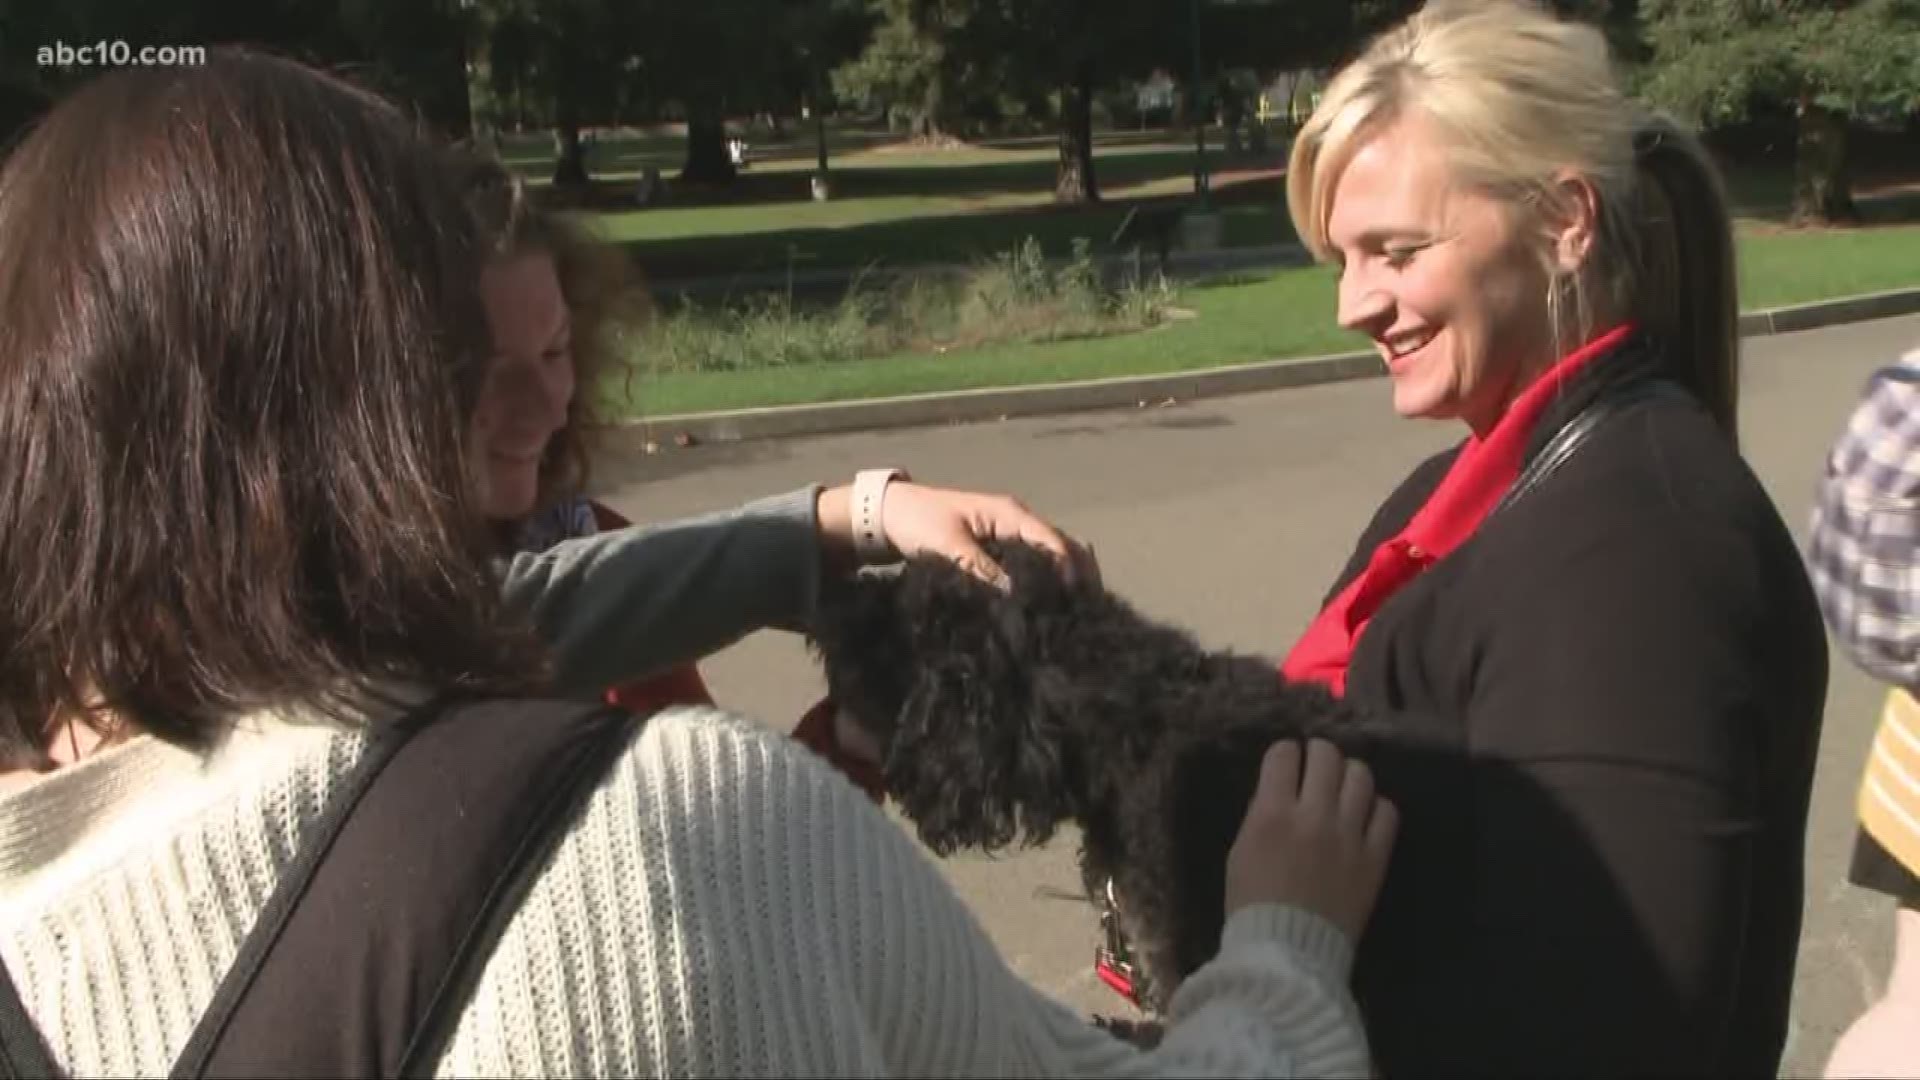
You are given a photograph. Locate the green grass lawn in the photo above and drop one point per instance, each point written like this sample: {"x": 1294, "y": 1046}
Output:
{"x": 1780, "y": 268}
{"x": 1028, "y": 158}
{"x": 1232, "y": 323}
{"x": 896, "y": 205}
{"x": 1284, "y": 314}
{"x": 917, "y": 230}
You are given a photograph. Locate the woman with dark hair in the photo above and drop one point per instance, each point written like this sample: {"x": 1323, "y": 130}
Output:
{"x": 259, "y": 769}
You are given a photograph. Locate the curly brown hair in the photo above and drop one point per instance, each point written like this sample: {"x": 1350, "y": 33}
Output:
{"x": 603, "y": 294}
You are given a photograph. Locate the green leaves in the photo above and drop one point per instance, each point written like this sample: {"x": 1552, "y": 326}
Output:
{"x": 1715, "y": 59}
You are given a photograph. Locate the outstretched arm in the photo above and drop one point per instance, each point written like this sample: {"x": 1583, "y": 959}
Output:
{"x": 628, "y": 603}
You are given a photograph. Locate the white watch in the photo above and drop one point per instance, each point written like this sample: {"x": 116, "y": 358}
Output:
{"x": 869, "y": 496}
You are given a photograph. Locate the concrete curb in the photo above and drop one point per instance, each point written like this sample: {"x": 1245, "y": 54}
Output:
{"x": 964, "y": 406}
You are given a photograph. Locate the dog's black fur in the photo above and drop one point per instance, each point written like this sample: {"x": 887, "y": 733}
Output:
{"x": 1002, "y": 715}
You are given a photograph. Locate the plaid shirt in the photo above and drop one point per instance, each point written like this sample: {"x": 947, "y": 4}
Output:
{"x": 1864, "y": 548}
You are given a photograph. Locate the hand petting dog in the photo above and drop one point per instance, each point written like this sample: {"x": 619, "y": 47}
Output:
{"x": 918, "y": 519}
{"x": 1200, "y": 780}
{"x": 1316, "y": 836}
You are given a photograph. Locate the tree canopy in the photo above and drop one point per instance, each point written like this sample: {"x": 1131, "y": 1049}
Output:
{"x": 1827, "y": 61}
{"x": 968, "y": 67}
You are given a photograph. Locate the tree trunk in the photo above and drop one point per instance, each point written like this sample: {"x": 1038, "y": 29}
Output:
{"x": 1075, "y": 182}
{"x": 930, "y": 128}
{"x": 820, "y": 134}
{"x": 707, "y": 159}
{"x": 569, "y": 156}
{"x": 1822, "y": 187}
{"x": 930, "y": 119}
{"x": 483, "y": 105}
{"x": 816, "y": 103}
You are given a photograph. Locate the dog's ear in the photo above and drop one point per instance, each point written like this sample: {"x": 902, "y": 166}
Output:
{"x": 981, "y": 754}
{"x": 865, "y": 649}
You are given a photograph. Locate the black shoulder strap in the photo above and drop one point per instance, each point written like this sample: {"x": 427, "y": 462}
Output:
{"x": 369, "y": 942}
{"x": 23, "y": 1056}
{"x": 365, "y": 974}
{"x": 1577, "y": 431}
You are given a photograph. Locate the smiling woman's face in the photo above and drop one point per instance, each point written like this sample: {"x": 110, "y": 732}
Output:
{"x": 1439, "y": 277}
{"x": 529, "y": 382}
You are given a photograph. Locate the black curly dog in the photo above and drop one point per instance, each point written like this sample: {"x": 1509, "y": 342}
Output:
{"x": 1002, "y": 715}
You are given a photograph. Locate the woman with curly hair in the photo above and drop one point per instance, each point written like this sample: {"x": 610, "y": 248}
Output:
{"x": 630, "y": 611}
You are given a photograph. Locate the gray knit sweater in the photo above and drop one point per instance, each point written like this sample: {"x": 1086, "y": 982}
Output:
{"x": 624, "y": 604}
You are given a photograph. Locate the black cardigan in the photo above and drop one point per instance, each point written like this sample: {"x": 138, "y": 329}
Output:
{"x": 1633, "y": 657}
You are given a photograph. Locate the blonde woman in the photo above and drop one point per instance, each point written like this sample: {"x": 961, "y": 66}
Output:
{"x": 1592, "y": 589}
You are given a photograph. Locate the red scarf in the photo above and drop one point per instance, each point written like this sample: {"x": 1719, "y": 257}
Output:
{"x": 1474, "y": 485}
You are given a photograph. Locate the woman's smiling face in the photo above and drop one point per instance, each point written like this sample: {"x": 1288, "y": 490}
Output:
{"x": 529, "y": 383}
{"x": 1450, "y": 290}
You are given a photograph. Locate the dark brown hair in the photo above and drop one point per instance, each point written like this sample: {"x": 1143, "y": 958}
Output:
{"x": 603, "y": 294}
{"x": 234, "y": 383}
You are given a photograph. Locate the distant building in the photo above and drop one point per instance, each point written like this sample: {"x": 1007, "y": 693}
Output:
{"x": 1156, "y": 94}
{"x": 1290, "y": 97}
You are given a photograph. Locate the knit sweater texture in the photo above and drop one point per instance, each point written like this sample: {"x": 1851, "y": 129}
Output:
{"x": 723, "y": 904}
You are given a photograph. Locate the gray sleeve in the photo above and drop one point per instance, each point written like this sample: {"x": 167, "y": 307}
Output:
{"x": 632, "y": 602}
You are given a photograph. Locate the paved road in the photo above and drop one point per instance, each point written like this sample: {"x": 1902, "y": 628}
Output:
{"x": 1230, "y": 516}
